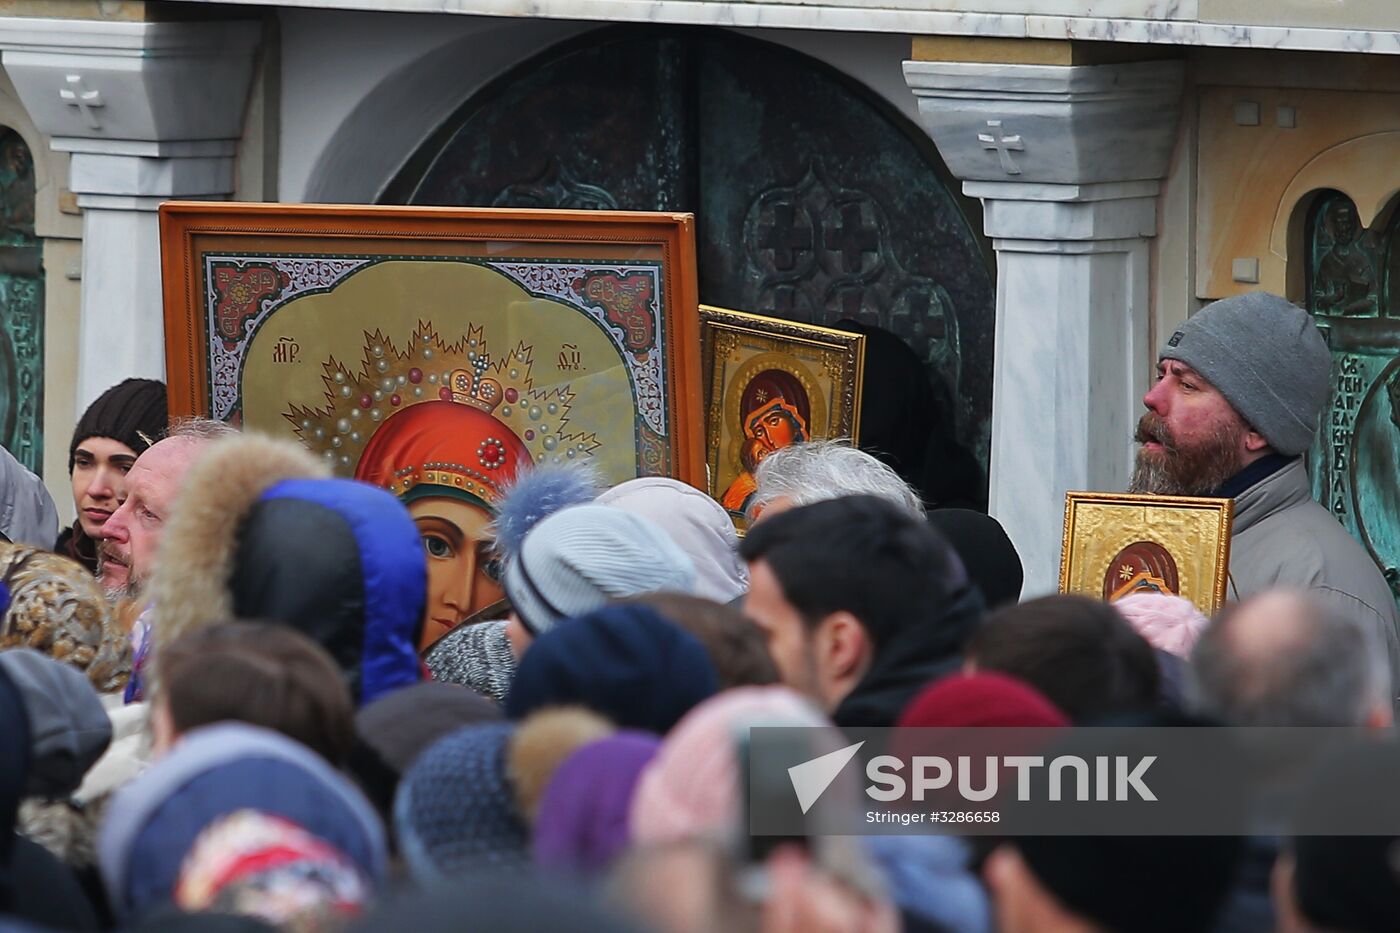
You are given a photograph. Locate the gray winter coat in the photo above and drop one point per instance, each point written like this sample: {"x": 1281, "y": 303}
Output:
{"x": 1283, "y": 538}
{"x": 27, "y": 512}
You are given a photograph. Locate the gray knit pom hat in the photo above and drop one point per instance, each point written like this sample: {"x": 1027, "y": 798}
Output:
{"x": 1267, "y": 357}
{"x": 583, "y": 557}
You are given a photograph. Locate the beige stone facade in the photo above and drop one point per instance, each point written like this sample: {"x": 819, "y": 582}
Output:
{"x": 1133, "y": 221}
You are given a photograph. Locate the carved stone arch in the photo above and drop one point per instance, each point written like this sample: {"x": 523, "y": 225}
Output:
{"x": 1363, "y": 169}
{"x": 50, "y": 169}
{"x": 390, "y": 123}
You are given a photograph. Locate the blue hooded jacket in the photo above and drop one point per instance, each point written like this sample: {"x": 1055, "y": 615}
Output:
{"x": 260, "y": 531}
{"x": 341, "y": 562}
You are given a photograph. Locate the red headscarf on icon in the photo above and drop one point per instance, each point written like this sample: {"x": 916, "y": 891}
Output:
{"x": 453, "y": 446}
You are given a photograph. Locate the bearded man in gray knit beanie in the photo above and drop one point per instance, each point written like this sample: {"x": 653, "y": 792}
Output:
{"x": 1240, "y": 387}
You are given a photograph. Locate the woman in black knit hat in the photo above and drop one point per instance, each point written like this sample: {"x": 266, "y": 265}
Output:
{"x": 111, "y": 434}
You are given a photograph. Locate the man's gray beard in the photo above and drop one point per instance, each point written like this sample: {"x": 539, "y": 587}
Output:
{"x": 128, "y": 591}
{"x": 1198, "y": 472}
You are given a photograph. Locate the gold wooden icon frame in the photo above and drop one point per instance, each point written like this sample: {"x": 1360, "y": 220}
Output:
{"x": 828, "y": 363}
{"x": 540, "y": 254}
{"x": 1101, "y": 528}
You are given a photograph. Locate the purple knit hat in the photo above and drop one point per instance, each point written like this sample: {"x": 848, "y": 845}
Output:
{"x": 582, "y": 821}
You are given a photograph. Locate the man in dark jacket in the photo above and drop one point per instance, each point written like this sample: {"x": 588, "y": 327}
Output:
{"x": 863, "y": 604}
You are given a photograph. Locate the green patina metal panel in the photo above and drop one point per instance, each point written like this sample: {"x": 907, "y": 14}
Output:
{"x": 1353, "y": 284}
{"x": 21, "y": 307}
{"x": 821, "y": 206}
{"x": 814, "y": 200}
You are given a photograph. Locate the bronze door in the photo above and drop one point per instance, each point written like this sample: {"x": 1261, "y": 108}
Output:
{"x": 1353, "y": 290}
{"x": 814, "y": 201}
{"x": 21, "y": 307}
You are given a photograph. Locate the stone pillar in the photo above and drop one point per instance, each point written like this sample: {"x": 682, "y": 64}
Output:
{"x": 1067, "y": 161}
{"x": 148, "y": 111}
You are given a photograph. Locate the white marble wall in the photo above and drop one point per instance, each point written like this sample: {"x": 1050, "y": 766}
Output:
{"x": 1367, "y": 26}
{"x": 121, "y": 331}
{"x": 1070, "y": 334}
{"x": 148, "y": 112}
{"x": 1067, "y": 162}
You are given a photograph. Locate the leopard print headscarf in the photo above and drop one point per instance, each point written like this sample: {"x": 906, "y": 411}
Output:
{"x": 55, "y": 606}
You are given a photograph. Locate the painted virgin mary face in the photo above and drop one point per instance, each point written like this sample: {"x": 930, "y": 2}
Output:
{"x": 773, "y": 428}
{"x": 454, "y": 542}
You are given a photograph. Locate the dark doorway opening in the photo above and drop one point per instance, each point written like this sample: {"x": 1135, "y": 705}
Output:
{"x": 815, "y": 201}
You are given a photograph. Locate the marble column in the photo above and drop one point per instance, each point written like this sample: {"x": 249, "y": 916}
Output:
{"x": 1067, "y": 161}
{"x": 148, "y": 112}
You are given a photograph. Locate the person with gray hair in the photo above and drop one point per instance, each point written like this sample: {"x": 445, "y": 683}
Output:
{"x": 127, "y": 552}
{"x": 815, "y": 471}
{"x": 1285, "y": 658}
{"x": 200, "y": 429}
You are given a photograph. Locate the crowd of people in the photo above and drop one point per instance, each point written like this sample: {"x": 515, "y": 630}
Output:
{"x": 226, "y": 707}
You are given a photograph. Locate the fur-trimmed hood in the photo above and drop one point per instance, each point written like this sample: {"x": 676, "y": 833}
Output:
{"x": 255, "y": 537}
{"x": 189, "y": 588}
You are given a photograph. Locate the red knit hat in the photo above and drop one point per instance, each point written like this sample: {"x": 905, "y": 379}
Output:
{"x": 980, "y": 701}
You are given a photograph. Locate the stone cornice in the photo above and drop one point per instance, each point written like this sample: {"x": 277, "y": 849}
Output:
{"x": 1361, "y": 26}
{"x": 79, "y": 37}
{"x": 1050, "y": 132}
{"x": 1045, "y": 83}
{"x": 121, "y": 88}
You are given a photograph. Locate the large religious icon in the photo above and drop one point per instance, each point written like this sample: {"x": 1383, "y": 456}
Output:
{"x": 771, "y": 384}
{"x": 437, "y": 353}
{"x": 1116, "y": 545}
{"x": 447, "y": 429}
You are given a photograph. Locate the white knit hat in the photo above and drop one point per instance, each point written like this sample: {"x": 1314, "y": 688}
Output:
{"x": 586, "y": 556}
{"x": 698, "y": 524}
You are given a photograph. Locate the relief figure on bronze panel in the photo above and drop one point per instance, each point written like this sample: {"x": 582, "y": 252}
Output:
{"x": 1375, "y": 471}
{"x": 1355, "y": 460}
{"x": 1347, "y": 272}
